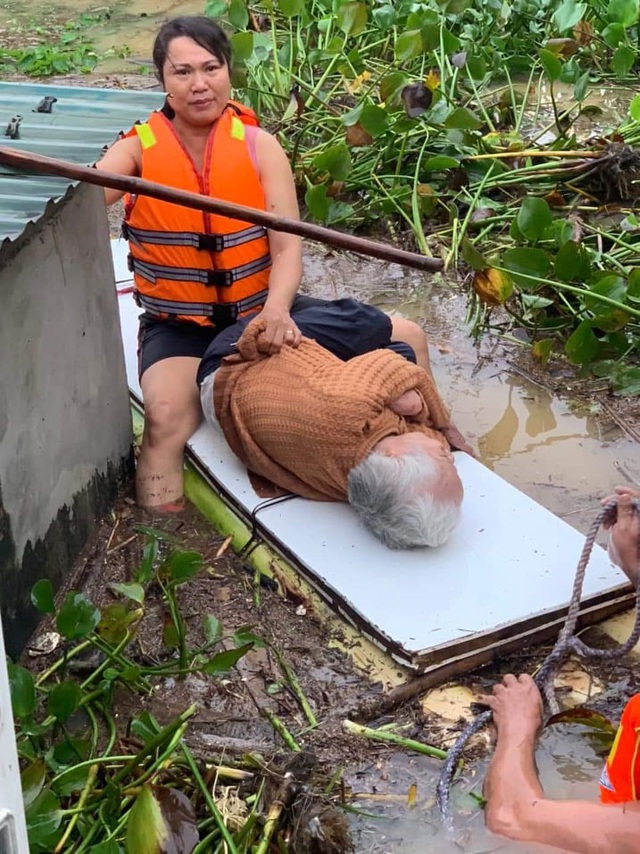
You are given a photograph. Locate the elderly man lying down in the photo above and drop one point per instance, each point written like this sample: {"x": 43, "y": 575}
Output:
{"x": 367, "y": 427}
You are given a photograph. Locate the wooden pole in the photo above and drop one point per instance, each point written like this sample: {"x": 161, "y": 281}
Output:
{"x": 27, "y": 161}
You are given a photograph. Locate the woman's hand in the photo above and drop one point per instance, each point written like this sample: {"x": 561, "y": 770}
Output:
{"x": 457, "y": 441}
{"x": 280, "y": 328}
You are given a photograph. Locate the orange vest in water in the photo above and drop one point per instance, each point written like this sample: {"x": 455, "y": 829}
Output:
{"x": 620, "y": 780}
{"x": 187, "y": 264}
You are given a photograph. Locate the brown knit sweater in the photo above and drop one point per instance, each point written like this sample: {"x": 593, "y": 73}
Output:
{"x": 303, "y": 418}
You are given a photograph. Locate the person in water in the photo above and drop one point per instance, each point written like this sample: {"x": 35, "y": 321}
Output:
{"x": 516, "y": 804}
{"x": 195, "y": 273}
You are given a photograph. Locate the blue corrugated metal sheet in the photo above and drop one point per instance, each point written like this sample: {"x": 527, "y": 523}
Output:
{"x": 82, "y": 121}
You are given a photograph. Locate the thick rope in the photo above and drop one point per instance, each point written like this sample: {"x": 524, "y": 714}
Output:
{"x": 566, "y": 644}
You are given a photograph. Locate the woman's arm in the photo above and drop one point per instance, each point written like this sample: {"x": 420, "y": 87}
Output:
{"x": 286, "y": 249}
{"x": 124, "y": 158}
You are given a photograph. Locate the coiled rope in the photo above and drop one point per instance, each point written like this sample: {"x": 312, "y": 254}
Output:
{"x": 566, "y": 644}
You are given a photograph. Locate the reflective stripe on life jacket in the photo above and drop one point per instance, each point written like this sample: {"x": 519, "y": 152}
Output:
{"x": 197, "y": 266}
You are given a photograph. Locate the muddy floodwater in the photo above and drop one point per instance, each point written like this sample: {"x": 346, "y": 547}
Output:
{"x": 560, "y": 451}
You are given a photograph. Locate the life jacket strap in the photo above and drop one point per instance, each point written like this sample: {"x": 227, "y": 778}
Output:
{"x": 221, "y": 314}
{"x": 208, "y": 242}
{"x": 210, "y": 278}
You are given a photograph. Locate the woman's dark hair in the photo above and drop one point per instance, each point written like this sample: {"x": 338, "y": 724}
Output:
{"x": 204, "y": 31}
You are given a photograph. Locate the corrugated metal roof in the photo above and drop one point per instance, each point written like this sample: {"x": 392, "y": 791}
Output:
{"x": 81, "y": 122}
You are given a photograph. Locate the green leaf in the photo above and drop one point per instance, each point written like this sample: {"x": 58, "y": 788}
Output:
{"x": 613, "y": 35}
{"x": 335, "y": 160}
{"x": 212, "y": 628}
{"x": 633, "y": 285}
{"x": 63, "y": 700}
{"x": 441, "y": 162}
{"x": 144, "y": 573}
{"x": 317, "y": 202}
{"x": 408, "y": 46}
{"x": 384, "y": 17}
{"x": 244, "y": 635}
{"x": 391, "y": 86}
{"x": 156, "y": 533}
{"x": 541, "y": 349}
{"x": 472, "y": 257}
{"x": 582, "y": 346}
{"x": 339, "y": 212}
{"x": 241, "y": 46}
{"x": 32, "y": 779}
{"x": 433, "y": 34}
{"x": 476, "y": 66}
{"x": 77, "y": 617}
{"x": 42, "y": 596}
{"x": 580, "y": 87}
{"x": 224, "y": 661}
{"x": 624, "y": 12}
{"x": 170, "y": 633}
{"x": 238, "y": 14}
{"x": 72, "y": 780}
{"x": 181, "y": 565}
{"x": 147, "y": 832}
{"x": 374, "y": 120}
{"x": 130, "y": 589}
{"x": 455, "y": 7}
{"x": 634, "y": 108}
{"x": 462, "y": 119}
{"x": 23, "y": 690}
{"x": 534, "y": 217}
{"x": 290, "y": 8}
{"x": 43, "y": 820}
{"x": 352, "y": 18}
{"x": 145, "y": 726}
{"x": 110, "y": 847}
{"x": 626, "y": 381}
{"x": 568, "y": 15}
{"x": 622, "y": 60}
{"x": 115, "y": 621}
{"x": 216, "y": 8}
{"x": 573, "y": 262}
{"x": 610, "y": 285}
{"x": 551, "y": 64}
{"x": 526, "y": 266}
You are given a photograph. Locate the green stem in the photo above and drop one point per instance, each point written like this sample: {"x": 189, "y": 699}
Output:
{"x": 392, "y": 738}
{"x": 80, "y": 808}
{"x": 282, "y": 731}
{"x": 292, "y": 679}
{"x": 58, "y": 664}
{"x": 213, "y": 809}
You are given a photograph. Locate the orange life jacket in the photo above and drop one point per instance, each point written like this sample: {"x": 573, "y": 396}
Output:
{"x": 187, "y": 264}
{"x": 620, "y": 780}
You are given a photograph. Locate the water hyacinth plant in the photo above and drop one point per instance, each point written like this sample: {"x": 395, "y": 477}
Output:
{"x": 456, "y": 124}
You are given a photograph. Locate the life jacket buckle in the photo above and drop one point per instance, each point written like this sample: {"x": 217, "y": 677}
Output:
{"x": 224, "y": 315}
{"x": 220, "y": 278}
{"x": 211, "y": 242}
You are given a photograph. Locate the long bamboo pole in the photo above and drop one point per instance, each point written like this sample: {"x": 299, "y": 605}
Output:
{"x": 27, "y": 161}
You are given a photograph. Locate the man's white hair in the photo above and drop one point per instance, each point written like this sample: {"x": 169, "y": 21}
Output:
{"x": 397, "y": 500}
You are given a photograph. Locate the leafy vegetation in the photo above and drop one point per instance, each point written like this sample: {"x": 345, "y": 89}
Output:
{"x": 82, "y": 790}
{"x": 42, "y": 50}
{"x": 458, "y": 122}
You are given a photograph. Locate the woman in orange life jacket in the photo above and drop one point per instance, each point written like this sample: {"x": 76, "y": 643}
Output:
{"x": 187, "y": 303}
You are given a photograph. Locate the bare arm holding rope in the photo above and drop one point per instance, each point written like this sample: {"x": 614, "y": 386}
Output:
{"x": 516, "y": 805}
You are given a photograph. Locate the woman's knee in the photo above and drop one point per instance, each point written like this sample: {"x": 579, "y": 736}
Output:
{"x": 170, "y": 422}
{"x": 409, "y": 332}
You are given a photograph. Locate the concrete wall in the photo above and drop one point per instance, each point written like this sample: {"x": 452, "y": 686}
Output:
{"x": 65, "y": 425}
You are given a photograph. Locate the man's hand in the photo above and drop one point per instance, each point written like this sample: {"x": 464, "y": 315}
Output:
{"x": 624, "y": 537}
{"x": 280, "y": 328}
{"x": 408, "y": 405}
{"x": 517, "y": 706}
